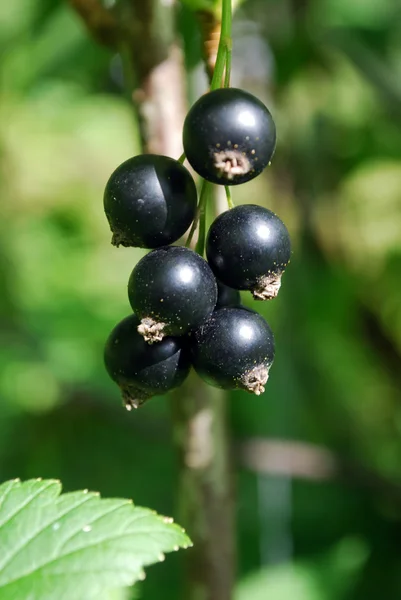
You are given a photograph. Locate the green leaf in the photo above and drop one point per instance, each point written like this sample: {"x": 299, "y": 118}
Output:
{"x": 74, "y": 546}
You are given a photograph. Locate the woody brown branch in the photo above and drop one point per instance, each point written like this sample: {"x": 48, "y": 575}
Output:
{"x": 206, "y": 493}
{"x": 144, "y": 31}
{"x": 100, "y": 21}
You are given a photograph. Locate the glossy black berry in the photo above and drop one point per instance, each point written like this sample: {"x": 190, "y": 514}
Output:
{"x": 149, "y": 201}
{"x": 234, "y": 349}
{"x": 172, "y": 290}
{"x": 141, "y": 370}
{"x": 248, "y": 248}
{"x": 227, "y": 296}
{"x": 229, "y": 136}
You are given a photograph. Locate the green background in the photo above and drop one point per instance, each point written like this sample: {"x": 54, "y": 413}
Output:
{"x": 323, "y": 521}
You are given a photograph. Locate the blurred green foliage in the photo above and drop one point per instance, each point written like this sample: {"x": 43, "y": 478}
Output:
{"x": 330, "y": 70}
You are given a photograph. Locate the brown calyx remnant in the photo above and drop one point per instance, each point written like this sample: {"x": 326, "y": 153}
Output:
{"x": 151, "y": 330}
{"x": 132, "y": 397}
{"x": 255, "y": 379}
{"x": 118, "y": 239}
{"x": 267, "y": 287}
{"x": 231, "y": 163}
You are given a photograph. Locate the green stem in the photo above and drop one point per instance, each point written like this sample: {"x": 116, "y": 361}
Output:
{"x": 196, "y": 220}
{"x": 200, "y": 219}
{"x": 227, "y": 76}
{"x": 218, "y": 72}
{"x": 203, "y": 200}
{"x": 192, "y": 231}
{"x": 229, "y": 197}
{"x": 223, "y": 60}
{"x": 182, "y": 158}
{"x": 223, "y": 63}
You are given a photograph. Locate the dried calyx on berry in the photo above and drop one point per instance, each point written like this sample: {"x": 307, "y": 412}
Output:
{"x": 234, "y": 349}
{"x": 229, "y": 136}
{"x": 140, "y": 370}
{"x": 248, "y": 248}
{"x": 172, "y": 290}
{"x": 149, "y": 201}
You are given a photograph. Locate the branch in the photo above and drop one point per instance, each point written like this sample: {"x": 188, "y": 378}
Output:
{"x": 143, "y": 32}
{"x": 100, "y": 21}
{"x": 153, "y": 68}
{"x": 206, "y": 494}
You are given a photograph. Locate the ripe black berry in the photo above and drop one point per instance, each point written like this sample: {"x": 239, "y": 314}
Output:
{"x": 234, "y": 349}
{"x": 172, "y": 290}
{"x": 229, "y": 136}
{"x": 248, "y": 248}
{"x": 141, "y": 370}
{"x": 149, "y": 201}
{"x": 227, "y": 296}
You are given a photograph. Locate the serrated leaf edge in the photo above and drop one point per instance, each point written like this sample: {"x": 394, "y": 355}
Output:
{"x": 88, "y": 496}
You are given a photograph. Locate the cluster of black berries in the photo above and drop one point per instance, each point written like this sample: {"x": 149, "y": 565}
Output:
{"x": 188, "y": 311}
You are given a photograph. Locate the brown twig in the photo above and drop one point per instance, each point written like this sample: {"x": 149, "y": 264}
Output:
{"x": 206, "y": 493}
{"x": 100, "y": 21}
{"x": 143, "y": 32}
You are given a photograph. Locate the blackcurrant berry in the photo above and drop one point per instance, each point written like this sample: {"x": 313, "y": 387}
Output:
{"x": 149, "y": 201}
{"x": 229, "y": 136}
{"x": 172, "y": 290}
{"x": 141, "y": 370}
{"x": 227, "y": 296}
{"x": 248, "y": 248}
{"x": 234, "y": 349}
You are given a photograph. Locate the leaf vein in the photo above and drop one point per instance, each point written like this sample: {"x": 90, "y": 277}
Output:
{"x": 91, "y": 522}
{"x": 41, "y": 567}
{"x": 7, "y": 492}
{"x": 37, "y": 533}
{"x": 26, "y": 503}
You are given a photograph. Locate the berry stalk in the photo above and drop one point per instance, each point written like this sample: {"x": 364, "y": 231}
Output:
{"x": 229, "y": 197}
{"x": 222, "y": 70}
{"x": 199, "y": 210}
{"x": 205, "y": 195}
{"x": 223, "y": 60}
